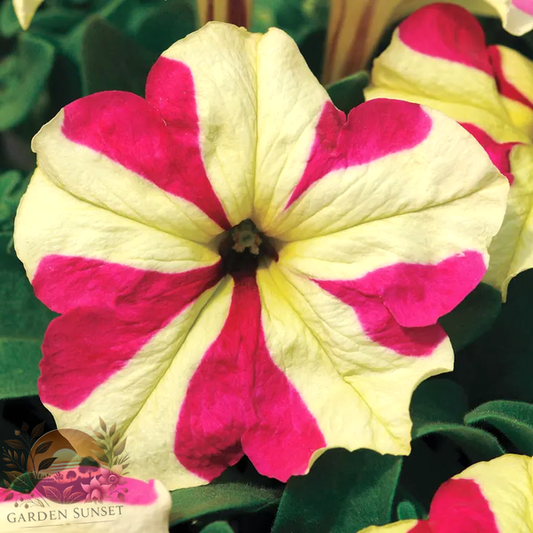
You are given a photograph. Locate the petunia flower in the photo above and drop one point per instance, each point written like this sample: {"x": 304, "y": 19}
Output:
{"x": 238, "y": 12}
{"x": 145, "y": 507}
{"x": 488, "y": 497}
{"x": 25, "y": 9}
{"x": 355, "y": 27}
{"x": 370, "y": 228}
{"x": 489, "y": 90}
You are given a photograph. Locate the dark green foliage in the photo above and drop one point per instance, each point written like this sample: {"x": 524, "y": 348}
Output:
{"x": 343, "y": 493}
{"x": 473, "y": 316}
{"x": 348, "y": 92}
{"x": 221, "y": 500}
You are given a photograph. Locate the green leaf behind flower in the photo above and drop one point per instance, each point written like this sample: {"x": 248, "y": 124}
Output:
{"x": 348, "y": 92}
{"x": 218, "y": 527}
{"x": 473, "y": 316}
{"x": 221, "y": 500}
{"x": 513, "y": 419}
{"x": 12, "y": 187}
{"x": 23, "y": 77}
{"x": 438, "y": 408}
{"x": 112, "y": 61}
{"x": 343, "y": 493}
{"x": 500, "y": 363}
{"x": 23, "y": 321}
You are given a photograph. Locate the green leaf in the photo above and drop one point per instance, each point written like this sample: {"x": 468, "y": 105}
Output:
{"x": 473, "y": 316}
{"x": 513, "y": 419}
{"x": 500, "y": 363}
{"x": 344, "y": 492}
{"x": 112, "y": 61}
{"x": 9, "y": 24}
{"x": 406, "y": 511}
{"x": 348, "y": 92}
{"x": 218, "y": 527}
{"x": 165, "y": 24}
{"x": 23, "y": 76}
{"x": 220, "y": 500}
{"x": 438, "y": 407}
{"x": 12, "y": 187}
{"x": 23, "y": 321}
{"x": 312, "y": 45}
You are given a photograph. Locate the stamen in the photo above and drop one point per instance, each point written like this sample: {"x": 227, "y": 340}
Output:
{"x": 245, "y": 235}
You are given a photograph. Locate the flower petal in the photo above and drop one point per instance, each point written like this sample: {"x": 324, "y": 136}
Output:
{"x": 435, "y": 64}
{"x": 419, "y": 76}
{"x": 354, "y": 179}
{"x": 493, "y": 497}
{"x": 514, "y": 75}
{"x": 517, "y": 15}
{"x": 66, "y": 225}
{"x": 355, "y": 385}
{"x": 239, "y": 401}
{"x": 25, "y": 9}
{"x": 215, "y": 70}
{"x": 290, "y": 104}
{"x": 114, "y": 150}
{"x": 94, "y": 357}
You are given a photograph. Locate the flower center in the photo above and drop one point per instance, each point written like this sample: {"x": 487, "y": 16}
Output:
{"x": 243, "y": 247}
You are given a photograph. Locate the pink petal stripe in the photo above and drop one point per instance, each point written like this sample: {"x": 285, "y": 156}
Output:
{"x": 460, "y": 507}
{"x": 128, "y": 130}
{"x": 448, "y": 32}
{"x": 238, "y": 402}
{"x": 422, "y": 527}
{"x": 379, "y": 324}
{"x": 498, "y": 152}
{"x": 111, "y": 312}
{"x": 524, "y": 5}
{"x": 373, "y": 130}
{"x": 399, "y": 305}
{"x": 505, "y": 87}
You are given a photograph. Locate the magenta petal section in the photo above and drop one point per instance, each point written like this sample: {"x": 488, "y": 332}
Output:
{"x": 239, "y": 401}
{"x": 498, "y": 152}
{"x": 505, "y": 87}
{"x": 379, "y": 324}
{"x": 111, "y": 312}
{"x": 455, "y": 35}
{"x": 373, "y": 130}
{"x": 524, "y": 5}
{"x": 128, "y": 130}
{"x": 460, "y": 507}
{"x": 399, "y": 305}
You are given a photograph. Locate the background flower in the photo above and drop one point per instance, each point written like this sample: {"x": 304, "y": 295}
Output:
{"x": 489, "y": 90}
{"x": 355, "y": 27}
{"x": 492, "y": 497}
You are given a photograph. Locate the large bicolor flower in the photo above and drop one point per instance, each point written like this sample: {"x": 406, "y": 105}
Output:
{"x": 355, "y": 27}
{"x": 240, "y": 268}
{"x": 488, "y": 497}
{"x": 438, "y": 57}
